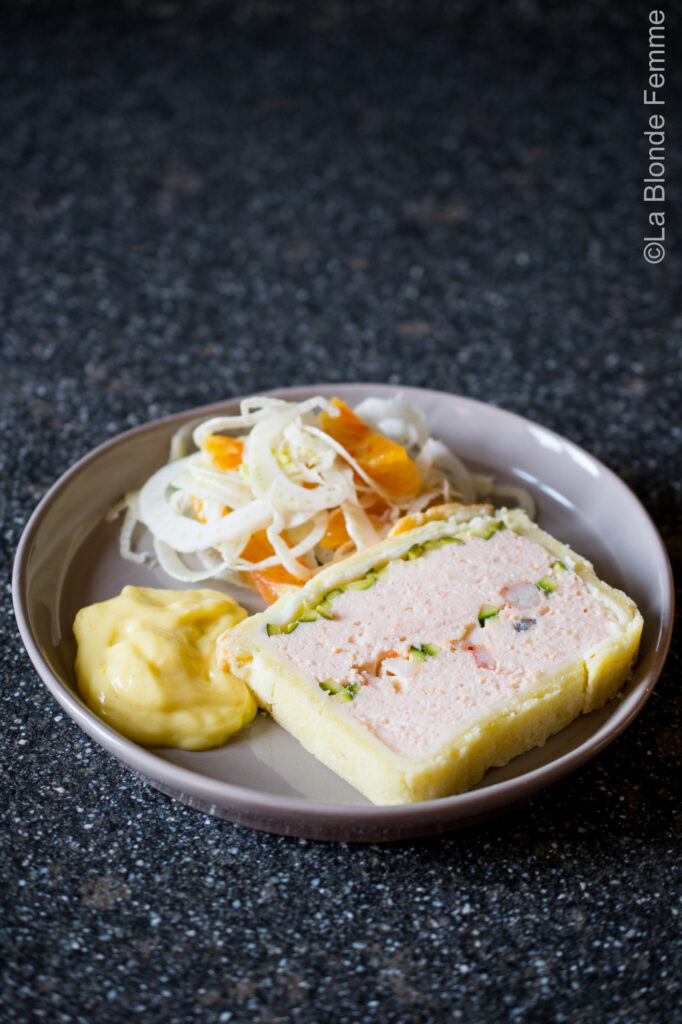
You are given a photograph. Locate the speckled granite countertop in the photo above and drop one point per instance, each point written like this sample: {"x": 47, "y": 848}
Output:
{"x": 206, "y": 200}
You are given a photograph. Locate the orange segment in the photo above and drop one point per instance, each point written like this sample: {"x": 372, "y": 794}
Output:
{"x": 384, "y": 460}
{"x": 336, "y": 533}
{"x": 346, "y": 428}
{"x": 389, "y": 464}
{"x": 258, "y": 547}
{"x": 225, "y": 452}
{"x": 198, "y": 509}
{"x": 270, "y": 583}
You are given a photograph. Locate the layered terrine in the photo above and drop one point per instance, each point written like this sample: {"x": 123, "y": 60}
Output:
{"x": 451, "y": 647}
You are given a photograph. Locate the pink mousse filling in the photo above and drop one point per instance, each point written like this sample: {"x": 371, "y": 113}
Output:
{"x": 412, "y": 706}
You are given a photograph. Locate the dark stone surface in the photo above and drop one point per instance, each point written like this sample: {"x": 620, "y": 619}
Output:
{"x": 205, "y": 200}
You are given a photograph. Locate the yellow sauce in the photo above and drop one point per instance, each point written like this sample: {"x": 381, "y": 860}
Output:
{"x": 146, "y": 664}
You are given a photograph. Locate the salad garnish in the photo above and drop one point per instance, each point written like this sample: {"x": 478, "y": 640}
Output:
{"x": 270, "y": 496}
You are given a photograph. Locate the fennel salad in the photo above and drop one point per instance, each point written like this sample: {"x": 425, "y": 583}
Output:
{"x": 270, "y": 496}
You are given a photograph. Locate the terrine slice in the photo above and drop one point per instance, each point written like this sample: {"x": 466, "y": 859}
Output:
{"x": 414, "y": 666}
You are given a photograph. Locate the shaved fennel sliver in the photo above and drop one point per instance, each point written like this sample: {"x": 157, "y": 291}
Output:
{"x": 184, "y": 534}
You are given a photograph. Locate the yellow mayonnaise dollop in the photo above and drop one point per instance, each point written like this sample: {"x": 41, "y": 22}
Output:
{"x": 146, "y": 664}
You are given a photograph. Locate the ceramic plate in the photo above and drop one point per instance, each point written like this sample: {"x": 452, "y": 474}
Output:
{"x": 68, "y": 557}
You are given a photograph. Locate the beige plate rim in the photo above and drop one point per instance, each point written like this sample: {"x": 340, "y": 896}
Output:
{"x": 299, "y": 816}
